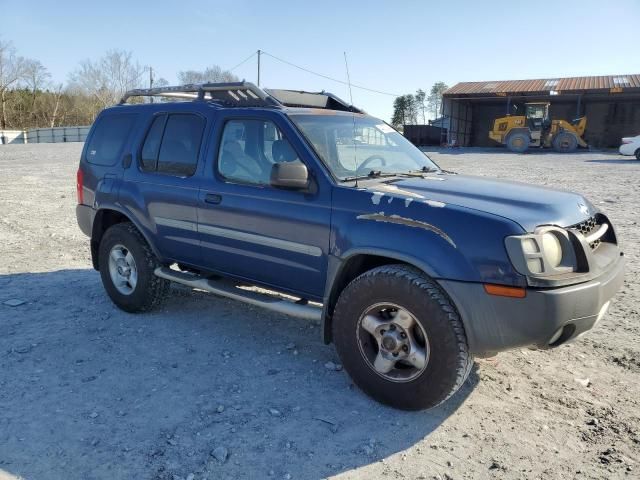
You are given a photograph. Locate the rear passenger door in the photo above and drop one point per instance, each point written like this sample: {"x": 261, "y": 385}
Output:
{"x": 165, "y": 185}
{"x": 252, "y": 230}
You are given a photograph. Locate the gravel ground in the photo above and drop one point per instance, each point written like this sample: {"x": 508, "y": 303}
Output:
{"x": 210, "y": 388}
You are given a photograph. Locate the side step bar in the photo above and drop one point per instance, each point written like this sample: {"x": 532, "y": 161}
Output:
{"x": 230, "y": 290}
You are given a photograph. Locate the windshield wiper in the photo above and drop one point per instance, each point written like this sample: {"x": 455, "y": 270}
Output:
{"x": 371, "y": 174}
{"x": 426, "y": 169}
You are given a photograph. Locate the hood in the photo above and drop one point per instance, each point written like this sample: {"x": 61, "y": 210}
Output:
{"x": 528, "y": 205}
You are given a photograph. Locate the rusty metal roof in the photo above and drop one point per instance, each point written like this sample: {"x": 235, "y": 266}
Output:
{"x": 544, "y": 85}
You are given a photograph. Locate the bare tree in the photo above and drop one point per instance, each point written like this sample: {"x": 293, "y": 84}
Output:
{"x": 211, "y": 74}
{"x": 109, "y": 77}
{"x": 161, "y": 82}
{"x": 36, "y": 77}
{"x": 57, "y": 98}
{"x": 12, "y": 70}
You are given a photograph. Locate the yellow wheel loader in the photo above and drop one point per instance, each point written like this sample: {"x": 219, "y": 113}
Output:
{"x": 536, "y": 129}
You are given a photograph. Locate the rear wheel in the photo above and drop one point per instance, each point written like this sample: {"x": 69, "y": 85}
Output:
{"x": 518, "y": 142}
{"x": 127, "y": 267}
{"x": 638, "y": 154}
{"x": 565, "y": 142}
{"x": 400, "y": 338}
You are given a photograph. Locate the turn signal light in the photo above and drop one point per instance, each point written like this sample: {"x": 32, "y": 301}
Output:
{"x": 504, "y": 291}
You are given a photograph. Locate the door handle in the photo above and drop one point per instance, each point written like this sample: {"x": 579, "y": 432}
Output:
{"x": 213, "y": 198}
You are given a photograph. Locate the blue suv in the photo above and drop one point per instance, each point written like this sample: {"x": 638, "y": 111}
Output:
{"x": 411, "y": 270}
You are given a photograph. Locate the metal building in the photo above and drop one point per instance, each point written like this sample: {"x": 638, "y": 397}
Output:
{"x": 611, "y": 104}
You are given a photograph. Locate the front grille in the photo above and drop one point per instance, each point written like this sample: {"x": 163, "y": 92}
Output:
{"x": 586, "y": 227}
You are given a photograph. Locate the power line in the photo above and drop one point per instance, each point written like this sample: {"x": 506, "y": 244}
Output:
{"x": 328, "y": 77}
{"x": 244, "y": 61}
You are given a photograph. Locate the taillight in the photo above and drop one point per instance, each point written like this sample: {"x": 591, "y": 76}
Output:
{"x": 79, "y": 185}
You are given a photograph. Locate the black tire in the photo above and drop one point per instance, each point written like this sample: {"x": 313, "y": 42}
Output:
{"x": 565, "y": 142}
{"x": 149, "y": 290}
{"x": 638, "y": 154}
{"x": 449, "y": 362}
{"x": 518, "y": 142}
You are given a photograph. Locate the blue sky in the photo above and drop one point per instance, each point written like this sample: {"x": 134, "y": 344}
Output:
{"x": 395, "y": 47}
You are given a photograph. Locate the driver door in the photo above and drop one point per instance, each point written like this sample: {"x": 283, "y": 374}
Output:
{"x": 252, "y": 230}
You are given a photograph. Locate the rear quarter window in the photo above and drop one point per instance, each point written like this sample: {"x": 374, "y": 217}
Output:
{"x": 108, "y": 139}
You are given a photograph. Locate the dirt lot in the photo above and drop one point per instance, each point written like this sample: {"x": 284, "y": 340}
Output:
{"x": 209, "y": 388}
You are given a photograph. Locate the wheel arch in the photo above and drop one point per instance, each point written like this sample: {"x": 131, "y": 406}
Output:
{"x": 107, "y": 217}
{"x": 342, "y": 270}
{"x": 515, "y": 130}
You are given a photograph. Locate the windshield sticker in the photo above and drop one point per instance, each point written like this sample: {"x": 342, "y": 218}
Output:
{"x": 384, "y": 128}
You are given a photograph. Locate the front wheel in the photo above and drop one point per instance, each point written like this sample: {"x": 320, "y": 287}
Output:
{"x": 127, "y": 267}
{"x": 518, "y": 142}
{"x": 400, "y": 338}
{"x": 565, "y": 142}
{"x": 638, "y": 154}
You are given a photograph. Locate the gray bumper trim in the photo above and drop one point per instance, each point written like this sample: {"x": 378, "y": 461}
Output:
{"x": 85, "y": 215}
{"x": 495, "y": 323}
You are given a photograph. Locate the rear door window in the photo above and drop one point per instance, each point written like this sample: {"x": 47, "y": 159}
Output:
{"x": 172, "y": 145}
{"x": 151, "y": 147}
{"x": 180, "y": 145}
{"x": 108, "y": 139}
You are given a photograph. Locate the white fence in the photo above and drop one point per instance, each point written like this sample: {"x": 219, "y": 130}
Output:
{"x": 12, "y": 136}
{"x": 44, "y": 135}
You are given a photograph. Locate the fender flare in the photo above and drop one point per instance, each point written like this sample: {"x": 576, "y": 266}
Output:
{"x": 336, "y": 266}
{"x": 126, "y": 213}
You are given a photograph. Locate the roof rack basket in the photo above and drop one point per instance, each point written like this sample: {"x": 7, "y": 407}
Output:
{"x": 245, "y": 94}
{"x": 299, "y": 98}
{"x": 237, "y": 94}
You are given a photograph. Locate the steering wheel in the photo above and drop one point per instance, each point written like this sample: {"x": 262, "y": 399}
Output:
{"x": 368, "y": 160}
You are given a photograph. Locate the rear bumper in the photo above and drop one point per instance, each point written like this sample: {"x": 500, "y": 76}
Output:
{"x": 544, "y": 318}
{"x": 85, "y": 215}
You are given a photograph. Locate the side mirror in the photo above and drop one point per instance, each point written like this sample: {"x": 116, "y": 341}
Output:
{"x": 292, "y": 175}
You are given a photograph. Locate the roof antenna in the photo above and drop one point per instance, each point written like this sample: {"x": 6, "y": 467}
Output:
{"x": 353, "y": 117}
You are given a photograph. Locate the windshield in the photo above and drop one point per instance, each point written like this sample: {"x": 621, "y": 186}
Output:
{"x": 372, "y": 146}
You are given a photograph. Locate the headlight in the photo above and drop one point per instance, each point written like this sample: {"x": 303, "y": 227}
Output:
{"x": 552, "y": 249}
{"x": 547, "y": 251}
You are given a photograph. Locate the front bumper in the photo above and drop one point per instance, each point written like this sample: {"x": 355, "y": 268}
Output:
{"x": 544, "y": 318}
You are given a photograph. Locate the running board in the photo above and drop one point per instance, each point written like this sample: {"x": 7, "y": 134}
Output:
{"x": 230, "y": 290}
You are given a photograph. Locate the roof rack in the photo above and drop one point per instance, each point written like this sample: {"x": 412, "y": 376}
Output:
{"x": 237, "y": 94}
{"x": 245, "y": 94}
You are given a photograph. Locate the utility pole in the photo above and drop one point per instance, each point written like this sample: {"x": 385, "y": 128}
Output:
{"x": 259, "y": 53}
{"x": 150, "y": 82}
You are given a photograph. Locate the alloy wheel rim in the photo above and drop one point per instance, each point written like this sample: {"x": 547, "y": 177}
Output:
{"x": 392, "y": 342}
{"x": 123, "y": 270}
